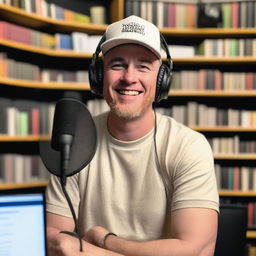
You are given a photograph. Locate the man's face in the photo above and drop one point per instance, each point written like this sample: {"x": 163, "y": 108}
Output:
{"x": 130, "y": 74}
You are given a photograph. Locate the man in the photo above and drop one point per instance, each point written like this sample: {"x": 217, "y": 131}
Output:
{"x": 151, "y": 181}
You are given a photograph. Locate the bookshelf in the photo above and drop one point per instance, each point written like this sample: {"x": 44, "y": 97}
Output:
{"x": 8, "y": 186}
{"x": 176, "y": 35}
{"x": 15, "y": 88}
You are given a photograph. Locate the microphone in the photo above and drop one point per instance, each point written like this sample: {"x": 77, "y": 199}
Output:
{"x": 74, "y": 136}
{"x": 72, "y": 147}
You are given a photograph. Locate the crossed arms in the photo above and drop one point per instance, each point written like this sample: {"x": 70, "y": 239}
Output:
{"x": 193, "y": 232}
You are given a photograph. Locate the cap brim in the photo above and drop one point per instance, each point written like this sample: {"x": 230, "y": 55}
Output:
{"x": 111, "y": 43}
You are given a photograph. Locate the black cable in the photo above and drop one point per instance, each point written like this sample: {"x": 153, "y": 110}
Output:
{"x": 166, "y": 185}
{"x": 155, "y": 131}
{"x": 74, "y": 216}
{"x": 65, "y": 154}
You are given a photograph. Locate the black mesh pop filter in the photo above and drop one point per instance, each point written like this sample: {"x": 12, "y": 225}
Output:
{"x": 71, "y": 117}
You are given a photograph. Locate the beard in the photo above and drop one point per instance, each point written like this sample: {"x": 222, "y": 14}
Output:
{"x": 124, "y": 113}
{"x": 128, "y": 112}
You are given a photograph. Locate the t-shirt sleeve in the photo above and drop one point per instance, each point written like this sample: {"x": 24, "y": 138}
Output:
{"x": 194, "y": 180}
{"x": 56, "y": 201}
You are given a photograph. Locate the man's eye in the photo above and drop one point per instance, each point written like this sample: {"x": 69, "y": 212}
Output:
{"x": 143, "y": 68}
{"x": 117, "y": 66}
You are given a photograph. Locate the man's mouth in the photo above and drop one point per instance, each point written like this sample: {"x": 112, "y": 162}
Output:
{"x": 128, "y": 92}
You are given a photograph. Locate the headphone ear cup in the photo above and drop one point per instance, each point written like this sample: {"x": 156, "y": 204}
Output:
{"x": 96, "y": 77}
{"x": 163, "y": 83}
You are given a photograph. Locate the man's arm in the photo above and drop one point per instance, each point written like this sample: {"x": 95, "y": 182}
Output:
{"x": 59, "y": 244}
{"x": 194, "y": 232}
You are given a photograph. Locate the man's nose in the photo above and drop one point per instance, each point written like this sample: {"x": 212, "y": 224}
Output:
{"x": 129, "y": 74}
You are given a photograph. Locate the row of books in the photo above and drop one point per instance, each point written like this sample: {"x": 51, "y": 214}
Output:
{"x": 232, "y": 145}
{"x": 51, "y": 10}
{"x": 76, "y": 41}
{"x": 228, "y": 47}
{"x": 82, "y": 42}
{"x": 19, "y": 168}
{"x": 26, "y": 71}
{"x": 177, "y": 14}
{"x": 213, "y": 79}
{"x": 25, "y": 117}
{"x": 236, "y": 177}
{"x": 197, "y": 114}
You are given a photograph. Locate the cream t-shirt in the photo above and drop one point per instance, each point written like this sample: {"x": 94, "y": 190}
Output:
{"x": 122, "y": 189}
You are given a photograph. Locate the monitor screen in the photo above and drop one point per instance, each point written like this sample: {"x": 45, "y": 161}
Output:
{"x": 22, "y": 224}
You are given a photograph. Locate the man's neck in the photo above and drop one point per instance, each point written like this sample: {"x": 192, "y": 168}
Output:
{"x": 128, "y": 130}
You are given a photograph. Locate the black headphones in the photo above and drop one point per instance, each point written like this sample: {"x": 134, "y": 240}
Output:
{"x": 164, "y": 76}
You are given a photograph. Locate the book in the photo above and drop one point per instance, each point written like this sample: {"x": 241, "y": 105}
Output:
{"x": 98, "y": 15}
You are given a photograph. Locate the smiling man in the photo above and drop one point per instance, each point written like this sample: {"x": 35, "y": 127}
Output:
{"x": 150, "y": 188}
{"x": 128, "y": 80}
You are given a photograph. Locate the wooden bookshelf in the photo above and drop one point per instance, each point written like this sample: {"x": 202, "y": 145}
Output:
{"x": 46, "y": 86}
{"x": 44, "y": 51}
{"x": 224, "y": 129}
{"x": 23, "y": 185}
{"x": 240, "y": 156}
{"x": 116, "y": 7}
{"x": 237, "y": 193}
{"x": 199, "y": 60}
{"x": 209, "y": 32}
{"x": 73, "y": 54}
{"x": 251, "y": 234}
{"x": 29, "y": 138}
{"x": 35, "y": 21}
{"x": 212, "y": 93}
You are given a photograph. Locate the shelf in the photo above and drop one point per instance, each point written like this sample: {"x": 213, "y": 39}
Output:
{"x": 237, "y": 60}
{"x": 35, "y": 21}
{"x": 46, "y": 86}
{"x": 223, "y": 129}
{"x": 4, "y": 186}
{"x": 86, "y": 87}
{"x": 29, "y": 138}
{"x": 73, "y": 54}
{"x": 237, "y": 193}
{"x": 251, "y": 234}
{"x": 240, "y": 156}
{"x": 209, "y": 32}
{"x": 211, "y": 93}
{"x": 32, "y": 20}
{"x": 45, "y": 51}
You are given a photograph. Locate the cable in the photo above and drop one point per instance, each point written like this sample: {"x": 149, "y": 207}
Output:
{"x": 160, "y": 170}
{"x": 65, "y": 154}
{"x": 74, "y": 217}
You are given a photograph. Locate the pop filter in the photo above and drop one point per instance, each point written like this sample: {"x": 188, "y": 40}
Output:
{"x": 70, "y": 117}
{"x": 72, "y": 147}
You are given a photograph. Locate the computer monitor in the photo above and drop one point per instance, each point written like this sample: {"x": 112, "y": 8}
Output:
{"x": 22, "y": 222}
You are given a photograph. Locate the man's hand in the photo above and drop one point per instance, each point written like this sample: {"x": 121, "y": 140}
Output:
{"x": 95, "y": 234}
{"x": 63, "y": 245}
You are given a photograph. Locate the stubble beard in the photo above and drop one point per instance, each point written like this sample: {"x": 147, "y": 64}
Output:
{"x": 127, "y": 113}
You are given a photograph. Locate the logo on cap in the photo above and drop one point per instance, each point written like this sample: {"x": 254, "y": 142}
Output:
{"x": 133, "y": 27}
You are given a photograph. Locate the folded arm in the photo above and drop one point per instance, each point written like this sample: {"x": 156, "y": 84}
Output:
{"x": 193, "y": 232}
{"x": 59, "y": 244}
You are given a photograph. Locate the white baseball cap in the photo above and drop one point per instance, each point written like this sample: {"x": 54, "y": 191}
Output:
{"x": 133, "y": 29}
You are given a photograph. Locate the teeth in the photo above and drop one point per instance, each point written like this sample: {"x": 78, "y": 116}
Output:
{"x": 125, "y": 92}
